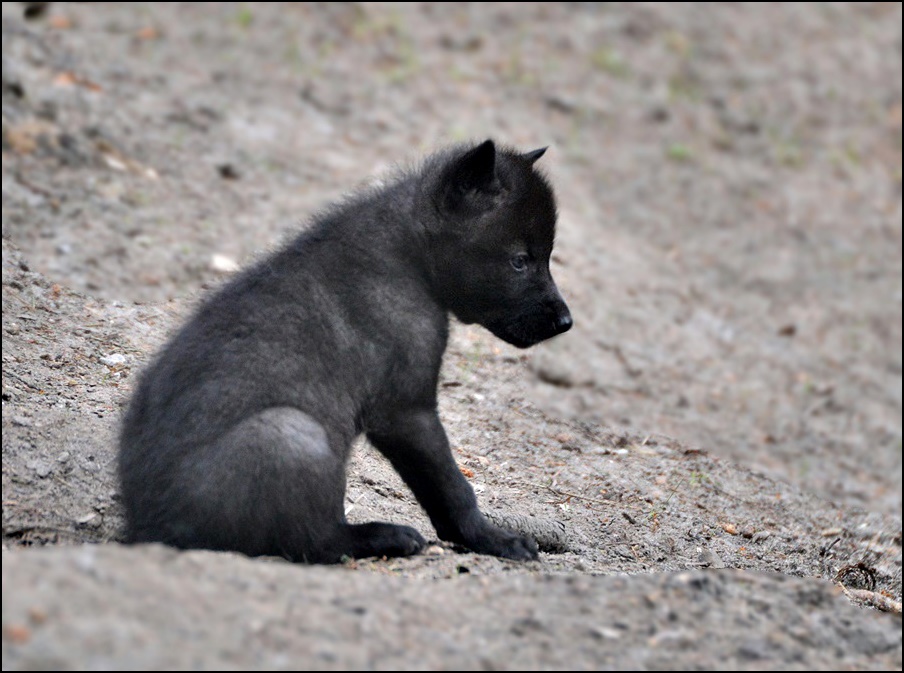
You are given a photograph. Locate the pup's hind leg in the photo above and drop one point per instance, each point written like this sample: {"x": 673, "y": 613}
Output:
{"x": 273, "y": 486}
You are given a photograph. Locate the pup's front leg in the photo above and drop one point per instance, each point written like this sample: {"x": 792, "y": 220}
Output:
{"x": 416, "y": 445}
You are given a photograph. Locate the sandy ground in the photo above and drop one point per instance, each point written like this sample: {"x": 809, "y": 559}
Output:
{"x": 711, "y": 458}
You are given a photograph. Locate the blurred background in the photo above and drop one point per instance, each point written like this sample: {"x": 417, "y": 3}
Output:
{"x": 729, "y": 180}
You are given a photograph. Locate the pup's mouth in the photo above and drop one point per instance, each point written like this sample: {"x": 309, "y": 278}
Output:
{"x": 526, "y": 331}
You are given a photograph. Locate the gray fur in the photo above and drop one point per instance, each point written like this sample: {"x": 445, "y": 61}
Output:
{"x": 238, "y": 434}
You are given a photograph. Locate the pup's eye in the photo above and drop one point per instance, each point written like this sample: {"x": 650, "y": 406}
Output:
{"x": 519, "y": 261}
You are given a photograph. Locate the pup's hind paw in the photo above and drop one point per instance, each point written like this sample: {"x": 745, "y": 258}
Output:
{"x": 385, "y": 539}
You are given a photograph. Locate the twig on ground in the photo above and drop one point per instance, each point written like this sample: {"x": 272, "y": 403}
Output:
{"x": 873, "y": 599}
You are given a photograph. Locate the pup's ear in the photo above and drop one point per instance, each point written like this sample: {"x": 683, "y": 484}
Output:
{"x": 470, "y": 182}
{"x": 533, "y": 155}
{"x": 476, "y": 169}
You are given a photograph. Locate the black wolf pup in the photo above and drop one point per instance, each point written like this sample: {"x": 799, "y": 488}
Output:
{"x": 238, "y": 434}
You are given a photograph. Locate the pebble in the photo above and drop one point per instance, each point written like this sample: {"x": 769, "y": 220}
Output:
{"x": 41, "y": 468}
{"x": 603, "y": 633}
{"x": 114, "y": 360}
{"x": 709, "y": 559}
{"x": 91, "y": 520}
{"x": 223, "y": 264}
{"x": 729, "y": 528}
{"x": 556, "y": 373}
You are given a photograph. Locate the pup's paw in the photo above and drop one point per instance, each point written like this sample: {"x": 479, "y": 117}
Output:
{"x": 518, "y": 548}
{"x": 386, "y": 539}
{"x": 403, "y": 541}
{"x": 503, "y": 543}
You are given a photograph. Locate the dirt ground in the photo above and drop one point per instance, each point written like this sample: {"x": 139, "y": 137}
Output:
{"x": 710, "y": 459}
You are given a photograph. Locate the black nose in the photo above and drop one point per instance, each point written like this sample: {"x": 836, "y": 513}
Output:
{"x": 563, "y": 322}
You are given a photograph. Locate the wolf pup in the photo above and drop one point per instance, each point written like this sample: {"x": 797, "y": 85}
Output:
{"x": 238, "y": 434}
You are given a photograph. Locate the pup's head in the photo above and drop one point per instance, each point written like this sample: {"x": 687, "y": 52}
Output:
{"x": 491, "y": 234}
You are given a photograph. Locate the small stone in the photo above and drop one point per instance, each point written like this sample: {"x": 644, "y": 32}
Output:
{"x": 228, "y": 171}
{"x": 754, "y": 650}
{"x": 37, "y": 616}
{"x": 18, "y": 634}
{"x": 552, "y": 372}
{"x": 729, "y": 528}
{"x": 41, "y": 468}
{"x": 35, "y": 10}
{"x": 603, "y": 633}
{"x": 90, "y": 520}
{"x": 709, "y": 559}
{"x": 114, "y": 360}
{"x": 788, "y": 330}
{"x": 223, "y": 264}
